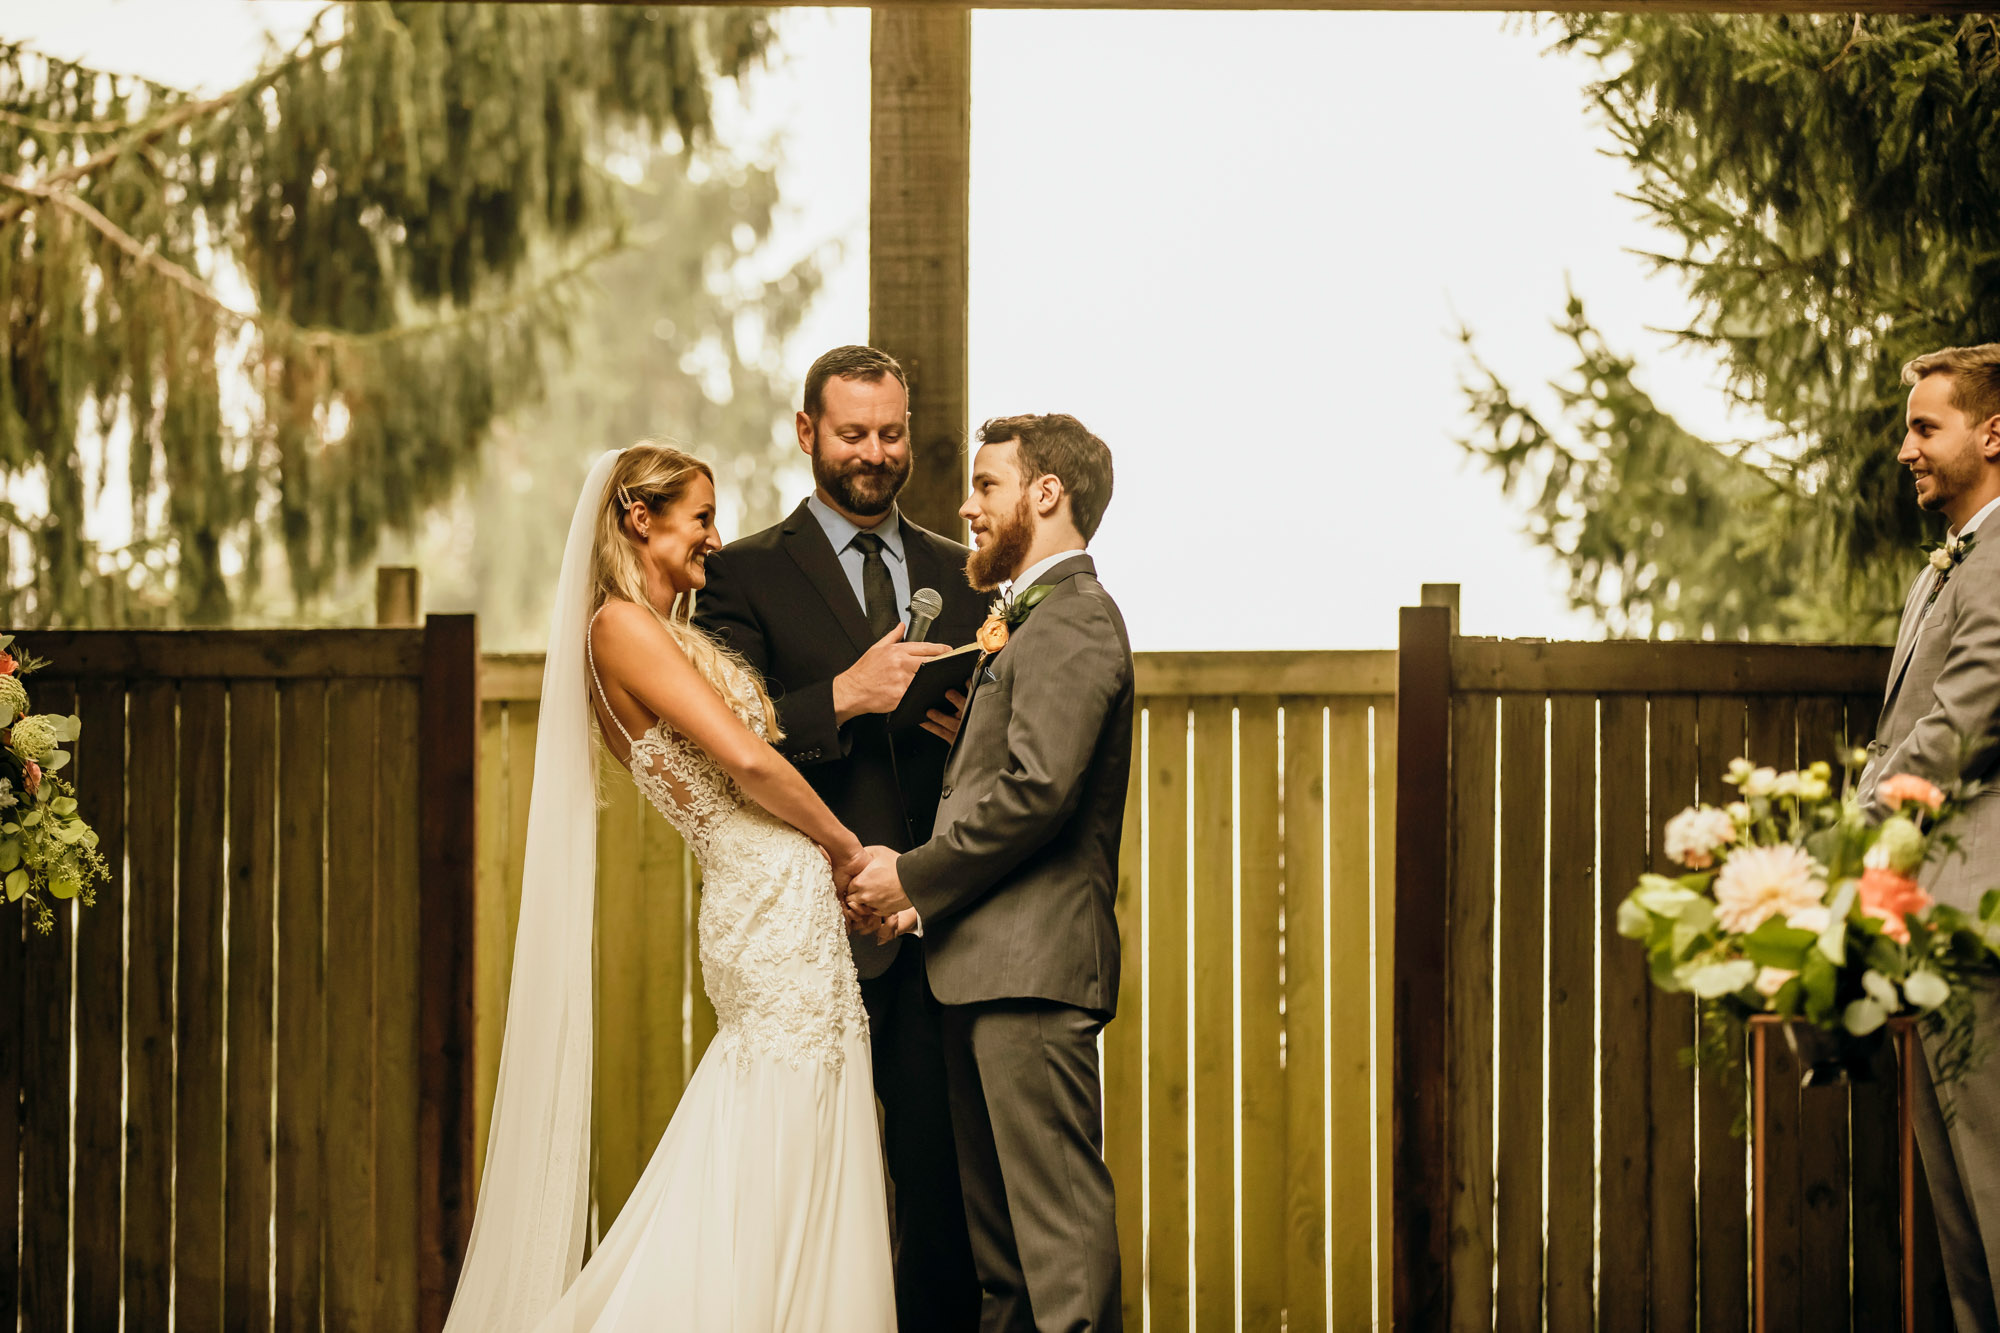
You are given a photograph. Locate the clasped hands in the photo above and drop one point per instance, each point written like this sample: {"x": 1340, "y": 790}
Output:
{"x": 871, "y": 894}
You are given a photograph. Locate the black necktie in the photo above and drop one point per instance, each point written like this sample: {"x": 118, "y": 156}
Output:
{"x": 878, "y": 590}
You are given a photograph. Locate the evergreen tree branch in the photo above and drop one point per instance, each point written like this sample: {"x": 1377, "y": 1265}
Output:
{"x": 310, "y": 47}
{"x": 38, "y": 125}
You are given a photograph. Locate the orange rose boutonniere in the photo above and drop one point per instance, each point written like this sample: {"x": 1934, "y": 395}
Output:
{"x": 1007, "y": 615}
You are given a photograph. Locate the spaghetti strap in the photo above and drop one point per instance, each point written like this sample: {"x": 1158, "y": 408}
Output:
{"x": 590, "y": 654}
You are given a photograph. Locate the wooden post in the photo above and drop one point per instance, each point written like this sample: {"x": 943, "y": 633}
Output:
{"x": 448, "y": 723}
{"x": 1421, "y": 1174}
{"x": 1441, "y": 594}
{"x": 399, "y": 597}
{"x": 919, "y": 209}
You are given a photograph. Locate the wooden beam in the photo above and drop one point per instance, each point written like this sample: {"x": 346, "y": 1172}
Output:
{"x": 919, "y": 212}
{"x": 1616, "y": 667}
{"x": 275, "y": 654}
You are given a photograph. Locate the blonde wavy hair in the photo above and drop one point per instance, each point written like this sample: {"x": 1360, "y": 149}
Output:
{"x": 658, "y": 475}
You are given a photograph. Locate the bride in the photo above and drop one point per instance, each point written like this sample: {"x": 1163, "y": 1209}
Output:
{"x": 763, "y": 1207}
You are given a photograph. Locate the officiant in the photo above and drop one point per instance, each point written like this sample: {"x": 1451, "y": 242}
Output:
{"x": 819, "y": 604}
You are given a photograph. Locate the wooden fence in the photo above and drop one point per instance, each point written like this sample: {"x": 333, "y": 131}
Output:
{"x": 1242, "y": 1102}
{"x": 262, "y": 1013}
{"x": 1557, "y": 1162}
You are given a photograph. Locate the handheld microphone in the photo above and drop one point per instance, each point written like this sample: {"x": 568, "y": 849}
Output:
{"x": 925, "y": 605}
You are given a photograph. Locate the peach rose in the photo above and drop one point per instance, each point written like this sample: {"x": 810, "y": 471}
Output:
{"x": 1889, "y": 897}
{"x": 993, "y": 635}
{"x": 7, "y": 664}
{"x": 1900, "y": 787}
{"x": 31, "y": 779}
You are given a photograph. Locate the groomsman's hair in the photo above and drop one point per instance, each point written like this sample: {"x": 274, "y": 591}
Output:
{"x": 849, "y": 363}
{"x": 1057, "y": 445}
{"x": 1975, "y": 377}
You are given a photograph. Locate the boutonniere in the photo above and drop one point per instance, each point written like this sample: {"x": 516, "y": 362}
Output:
{"x": 1007, "y": 613}
{"x": 1946, "y": 555}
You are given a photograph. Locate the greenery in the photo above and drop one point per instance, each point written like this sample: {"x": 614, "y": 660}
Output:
{"x": 1801, "y": 905}
{"x": 46, "y": 850}
{"x": 285, "y": 318}
{"x": 1826, "y": 183}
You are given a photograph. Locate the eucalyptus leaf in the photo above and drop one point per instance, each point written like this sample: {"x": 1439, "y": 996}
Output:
{"x": 57, "y": 761}
{"x": 1633, "y": 920}
{"x": 1712, "y": 981}
{"x": 17, "y": 885}
{"x": 1863, "y": 1017}
{"x": 31, "y": 819}
{"x": 1662, "y": 897}
{"x": 10, "y": 855}
{"x": 64, "y": 888}
{"x": 63, "y": 805}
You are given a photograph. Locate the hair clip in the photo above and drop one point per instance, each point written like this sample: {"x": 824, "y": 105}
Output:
{"x": 624, "y": 498}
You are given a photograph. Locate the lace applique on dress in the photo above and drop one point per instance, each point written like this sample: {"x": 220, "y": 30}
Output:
{"x": 773, "y": 943}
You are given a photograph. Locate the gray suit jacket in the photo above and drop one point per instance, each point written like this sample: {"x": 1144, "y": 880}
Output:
{"x": 1941, "y": 711}
{"x": 1018, "y": 887}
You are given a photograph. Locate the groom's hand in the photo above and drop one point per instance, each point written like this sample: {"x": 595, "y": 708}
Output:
{"x": 944, "y": 725}
{"x": 876, "y": 682}
{"x": 878, "y": 888}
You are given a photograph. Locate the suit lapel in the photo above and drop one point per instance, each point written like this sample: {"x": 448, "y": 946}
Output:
{"x": 806, "y": 543}
{"x": 1906, "y": 634}
{"x": 1062, "y": 573}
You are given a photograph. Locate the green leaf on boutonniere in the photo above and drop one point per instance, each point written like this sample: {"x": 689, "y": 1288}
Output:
{"x": 1017, "y": 607}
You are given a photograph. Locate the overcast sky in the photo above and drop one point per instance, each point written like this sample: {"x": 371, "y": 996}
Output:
{"x": 1237, "y": 246}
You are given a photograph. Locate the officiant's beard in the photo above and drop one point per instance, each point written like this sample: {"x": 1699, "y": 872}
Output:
{"x": 861, "y": 488}
{"x": 1001, "y": 558}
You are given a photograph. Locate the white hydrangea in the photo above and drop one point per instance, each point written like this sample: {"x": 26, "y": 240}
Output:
{"x": 1695, "y": 834}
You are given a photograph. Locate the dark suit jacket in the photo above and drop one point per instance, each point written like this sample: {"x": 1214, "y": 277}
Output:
{"x": 1018, "y": 890}
{"x": 780, "y": 599}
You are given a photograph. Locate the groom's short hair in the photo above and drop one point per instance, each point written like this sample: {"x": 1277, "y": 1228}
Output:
{"x": 1975, "y": 377}
{"x": 1057, "y": 445}
{"x": 853, "y": 362}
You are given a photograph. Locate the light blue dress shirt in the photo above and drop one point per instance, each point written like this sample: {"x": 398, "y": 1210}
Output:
{"x": 840, "y": 535}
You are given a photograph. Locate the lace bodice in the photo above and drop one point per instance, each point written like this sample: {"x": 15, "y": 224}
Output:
{"x": 773, "y": 943}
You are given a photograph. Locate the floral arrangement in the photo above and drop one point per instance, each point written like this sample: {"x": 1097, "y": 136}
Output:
{"x": 46, "y": 850}
{"x": 1800, "y": 904}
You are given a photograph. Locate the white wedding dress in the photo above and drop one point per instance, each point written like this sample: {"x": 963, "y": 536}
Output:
{"x": 763, "y": 1208}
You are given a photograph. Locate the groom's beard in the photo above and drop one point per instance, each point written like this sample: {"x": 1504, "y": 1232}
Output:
{"x": 867, "y": 489}
{"x": 1000, "y": 559}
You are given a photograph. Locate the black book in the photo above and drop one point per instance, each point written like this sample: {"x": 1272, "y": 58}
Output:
{"x": 934, "y": 679}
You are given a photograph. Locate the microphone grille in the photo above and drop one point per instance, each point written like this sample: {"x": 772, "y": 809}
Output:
{"x": 926, "y": 602}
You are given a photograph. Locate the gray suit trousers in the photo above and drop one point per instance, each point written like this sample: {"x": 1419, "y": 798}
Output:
{"x": 1031, "y": 1163}
{"x": 1964, "y": 1178}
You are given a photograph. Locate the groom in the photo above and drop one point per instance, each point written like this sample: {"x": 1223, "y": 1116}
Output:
{"x": 1941, "y": 720}
{"x": 1015, "y": 893}
{"x": 819, "y": 606}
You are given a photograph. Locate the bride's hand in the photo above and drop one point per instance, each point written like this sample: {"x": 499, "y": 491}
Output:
{"x": 845, "y": 867}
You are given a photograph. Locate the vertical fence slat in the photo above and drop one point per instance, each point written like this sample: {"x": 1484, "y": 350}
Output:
{"x": 1212, "y": 915}
{"x": 1823, "y": 1112}
{"x": 615, "y": 1136}
{"x": 1624, "y": 1183}
{"x": 301, "y": 993}
{"x": 1725, "y": 1238}
{"x": 1572, "y": 1010}
{"x": 1383, "y": 917}
{"x": 1673, "y": 1277}
{"x": 45, "y": 1102}
{"x": 246, "y": 1284}
{"x": 398, "y": 939}
{"x": 149, "y": 1141}
{"x": 1523, "y": 775}
{"x": 13, "y": 930}
{"x": 1260, "y": 985}
{"x": 1773, "y": 740}
{"x": 349, "y": 1143}
{"x": 1470, "y": 928}
{"x": 1124, "y": 1054}
{"x": 1350, "y": 1106}
{"x": 1167, "y": 1002}
{"x": 663, "y": 1072}
{"x": 198, "y": 1009}
{"x": 1305, "y": 1021}
{"x": 493, "y": 914}
{"x": 1876, "y": 1176}
{"x": 100, "y": 1018}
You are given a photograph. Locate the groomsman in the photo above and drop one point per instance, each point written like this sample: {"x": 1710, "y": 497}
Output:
{"x": 819, "y": 605}
{"x": 1941, "y": 720}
